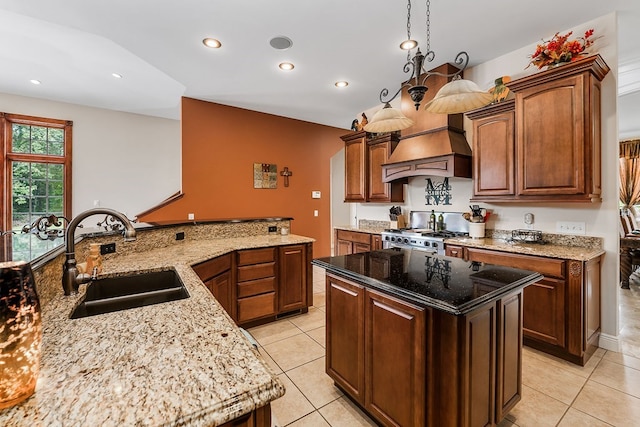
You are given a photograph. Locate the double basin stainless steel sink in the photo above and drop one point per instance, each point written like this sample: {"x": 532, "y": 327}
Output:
{"x": 125, "y": 292}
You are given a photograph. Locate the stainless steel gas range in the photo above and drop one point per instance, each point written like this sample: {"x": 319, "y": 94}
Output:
{"x": 419, "y": 236}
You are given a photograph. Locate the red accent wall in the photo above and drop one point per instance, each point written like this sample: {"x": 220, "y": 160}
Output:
{"x": 220, "y": 144}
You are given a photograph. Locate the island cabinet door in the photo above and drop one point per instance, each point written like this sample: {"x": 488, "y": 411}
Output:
{"x": 221, "y": 288}
{"x": 345, "y": 336}
{"x": 509, "y": 354}
{"x": 395, "y": 360}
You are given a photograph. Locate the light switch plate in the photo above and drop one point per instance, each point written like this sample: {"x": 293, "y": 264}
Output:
{"x": 315, "y": 194}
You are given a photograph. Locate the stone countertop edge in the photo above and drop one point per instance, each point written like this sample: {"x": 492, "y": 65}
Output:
{"x": 181, "y": 363}
{"x": 576, "y": 253}
{"x": 423, "y": 300}
{"x": 369, "y": 230}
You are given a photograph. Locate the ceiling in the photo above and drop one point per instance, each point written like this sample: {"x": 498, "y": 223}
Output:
{"x": 73, "y": 47}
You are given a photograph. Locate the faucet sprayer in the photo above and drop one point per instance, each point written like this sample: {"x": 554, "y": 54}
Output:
{"x": 71, "y": 280}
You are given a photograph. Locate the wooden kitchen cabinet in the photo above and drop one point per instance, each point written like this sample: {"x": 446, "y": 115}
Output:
{"x": 561, "y": 313}
{"x": 292, "y": 277}
{"x": 556, "y": 130}
{"x": 260, "y": 417}
{"x": 494, "y": 150}
{"x": 345, "y": 336}
{"x": 413, "y": 366}
{"x": 395, "y": 360}
{"x": 364, "y": 157}
{"x": 216, "y": 275}
{"x": 376, "y": 351}
{"x": 256, "y": 283}
{"x": 353, "y": 242}
{"x": 454, "y": 251}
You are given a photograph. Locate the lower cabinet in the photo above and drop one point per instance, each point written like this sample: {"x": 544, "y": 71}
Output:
{"x": 216, "y": 275}
{"x": 562, "y": 311}
{"x": 412, "y": 366}
{"x": 260, "y": 417}
{"x": 352, "y": 242}
{"x": 256, "y": 285}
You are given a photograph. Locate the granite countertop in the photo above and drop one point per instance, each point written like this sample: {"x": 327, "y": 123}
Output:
{"x": 183, "y": 362}
{"x": 578, "y": 253}
{"x": 423, "y": 278}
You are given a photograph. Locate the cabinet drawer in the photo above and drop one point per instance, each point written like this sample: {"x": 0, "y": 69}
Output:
{"x": 256, "y": 287}
{"x": 255, "y": 307}
{"x": 208, "y": 269}
{"x": 258, "y": 271}
{"x": 256, "y": 256}
{"x": 454, "y": 251}
{"x": 354, "y": 236}
{"x": 545, "y": 266}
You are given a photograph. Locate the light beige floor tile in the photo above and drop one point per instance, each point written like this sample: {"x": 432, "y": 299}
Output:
{"x": 319, "y": 335}
{"x": 506, "y": 423}
{"x": 558, "y": 383}
{"x": 276, "y": 331}
{"x": 599, "y": 352}
{"x": 620, "y": 377}
{"x": 314, "y": 383}
{"x": 342, "y": 413}
{"x": 623, "y": 359}
{"x": 269, "y": 360}
{"x": 292, "y": 406}
{"x": 319, "y": 287}
{"x": 575, "y": 418}
{"x": 294, "y": 351}
{"x": 536, "y": 409}
{"x": 583, "y": 371}
{"x": 314, "y": 419}
{"x": 319, "y": 299}
{"x": 313, "y": 319}
{"x": 608, "y": 405}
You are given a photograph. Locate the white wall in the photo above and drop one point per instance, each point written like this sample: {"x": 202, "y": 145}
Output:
{"x": 129, "y": 162}
{"x": 601, "y": 219}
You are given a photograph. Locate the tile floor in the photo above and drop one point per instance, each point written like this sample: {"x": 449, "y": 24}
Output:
{"x": 605, "y": 392}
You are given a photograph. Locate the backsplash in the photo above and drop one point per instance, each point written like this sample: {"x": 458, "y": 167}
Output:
{"x": 555, "y": 239}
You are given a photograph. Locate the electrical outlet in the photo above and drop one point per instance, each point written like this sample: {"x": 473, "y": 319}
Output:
{"x": 180, "y": 235}
{"x": 107, "y": 248}
{"x": 273, "y": 229}
{"x": 315, "y": 212}
{"x": 190, "y": 217}
{"x": 571, "y": 227}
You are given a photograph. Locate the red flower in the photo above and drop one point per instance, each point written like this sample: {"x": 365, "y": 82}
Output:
{"x": 559, "y": 49}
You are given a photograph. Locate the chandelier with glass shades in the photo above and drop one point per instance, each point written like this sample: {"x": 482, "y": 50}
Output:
{"x": 457, "y": 96}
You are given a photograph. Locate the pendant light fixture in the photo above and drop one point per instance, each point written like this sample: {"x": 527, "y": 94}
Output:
{"x": 457, "y": 96}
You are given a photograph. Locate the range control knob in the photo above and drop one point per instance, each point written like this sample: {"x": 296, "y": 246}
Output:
{"x": 434, "y": 244}
{"x": 406, "y": 240}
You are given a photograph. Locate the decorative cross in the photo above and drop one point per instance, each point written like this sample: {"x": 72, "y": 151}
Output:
{"x": 286, "y": 173}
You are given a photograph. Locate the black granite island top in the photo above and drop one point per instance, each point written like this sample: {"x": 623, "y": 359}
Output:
{"x": 448, "y": 284}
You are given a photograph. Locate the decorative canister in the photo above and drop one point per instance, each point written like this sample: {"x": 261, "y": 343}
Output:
{"x": 476, "y": 230}
{"x": 20, "y": 333}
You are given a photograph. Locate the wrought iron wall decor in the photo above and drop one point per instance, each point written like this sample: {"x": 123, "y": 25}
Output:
{"x": 109, "y": 223}
{"x": 438, "y": 193}
{"x": 48, "y": 227}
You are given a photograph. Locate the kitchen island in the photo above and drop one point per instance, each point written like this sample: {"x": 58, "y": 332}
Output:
{"x": 182, "y": 362}
{"x": 421, "y": 339}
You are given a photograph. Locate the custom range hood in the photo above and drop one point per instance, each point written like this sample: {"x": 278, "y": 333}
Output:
{"x": 435, "y": 145}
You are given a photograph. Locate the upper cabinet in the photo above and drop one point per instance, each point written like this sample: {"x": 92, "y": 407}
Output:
{"x": 364, "y": 157}
{"x": 546, "y": 145}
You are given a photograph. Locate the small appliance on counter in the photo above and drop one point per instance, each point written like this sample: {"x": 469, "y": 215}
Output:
{"x": 418, "y": 234}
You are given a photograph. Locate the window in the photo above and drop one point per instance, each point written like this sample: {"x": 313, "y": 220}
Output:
{"x": 36, "y": 169}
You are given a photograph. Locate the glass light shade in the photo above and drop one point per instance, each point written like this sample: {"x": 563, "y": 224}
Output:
{"x": 388, "y": 119}
{"x": 458, "y": 96}
{"x": 20, "y": 333}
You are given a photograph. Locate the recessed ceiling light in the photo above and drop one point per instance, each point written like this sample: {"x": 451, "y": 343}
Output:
{"x": 209, "y": 42}
{"x": 286, "y": 66}
{"x": 116, "y": 75}
{"x": 35, "y": 82}
{"x": 342, "y": 83}
{"x": 408, "y": 44}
